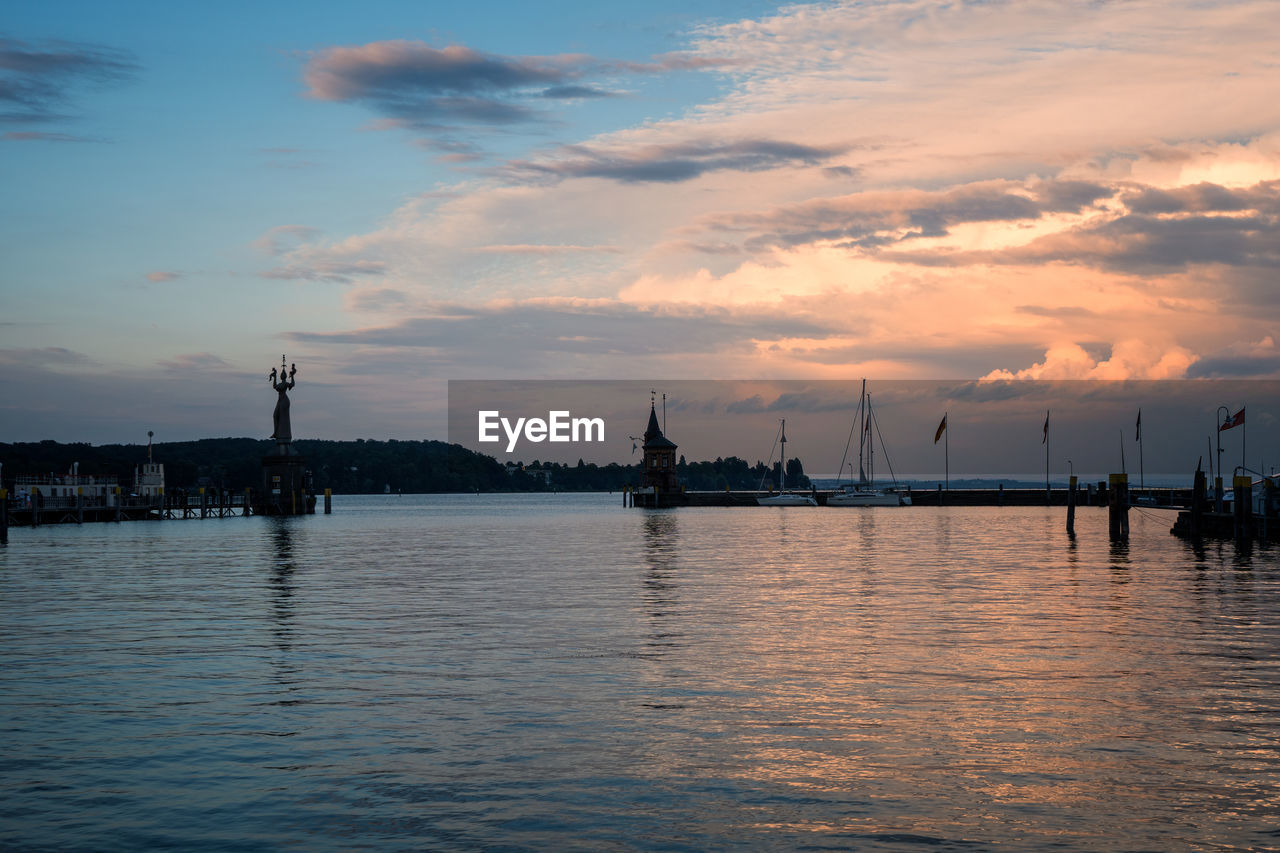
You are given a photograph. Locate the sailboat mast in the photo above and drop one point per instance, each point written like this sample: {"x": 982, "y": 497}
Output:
{"x": 862, "y": 431}
{"x": 782, "y": 466}
{"x": 871, "y": 451}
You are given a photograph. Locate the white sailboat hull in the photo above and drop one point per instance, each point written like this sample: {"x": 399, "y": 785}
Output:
{"x": 786, "y": 500}
{"x": 868, "y": 498}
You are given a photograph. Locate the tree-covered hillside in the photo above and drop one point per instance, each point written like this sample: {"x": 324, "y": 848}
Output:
{"x": 366, "y": 466}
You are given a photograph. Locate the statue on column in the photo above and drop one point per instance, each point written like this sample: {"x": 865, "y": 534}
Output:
{"x": 282, "y": 432}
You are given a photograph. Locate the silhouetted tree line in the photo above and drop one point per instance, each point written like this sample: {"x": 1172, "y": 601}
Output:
{"x": 370, "y": 467}
{"x": 734, "y": 473}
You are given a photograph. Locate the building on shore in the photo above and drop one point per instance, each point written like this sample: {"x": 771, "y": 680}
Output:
{"x": 62, "y": 490}
{"x": 659, "y": 485}
{"x": 148, "y": 478}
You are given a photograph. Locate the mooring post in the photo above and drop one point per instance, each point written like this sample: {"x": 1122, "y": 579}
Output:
{"x": 160, "y": 497}
{"x": 1001, "y": 495}
{"x": 79, "y": 504}
{"x": 1268, "y": 501}
{"x": 328, "y": 501}
{"x": 1118, "y": 503}
{"x": 4, "y": 516}
{"x": 1071, "y": 505}
{"x": 204, "y": 502}
{"x": 116, "y": 491}
{"x": 1199, "y": 497}
{"x": 37, "y": 500}
{"x": 1242, "y": 505}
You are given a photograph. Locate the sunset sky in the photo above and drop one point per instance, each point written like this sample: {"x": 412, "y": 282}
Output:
{"x": 400, "y": 193}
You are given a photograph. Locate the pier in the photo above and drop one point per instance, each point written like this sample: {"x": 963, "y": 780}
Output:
{"x": 39, "y": 510}
{"x": 1254, "y": 512}
{"x": 1096, "y": 495}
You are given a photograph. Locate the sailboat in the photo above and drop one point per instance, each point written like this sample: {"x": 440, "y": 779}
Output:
{"x": 864, "y": 492}
{"x": 783, "y": 497}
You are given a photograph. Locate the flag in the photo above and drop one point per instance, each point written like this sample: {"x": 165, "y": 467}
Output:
{"x": 1137, "y": 436}
{"x": 1235, "y": 421}
{"x": 942, "y": 427}
{"x": 1046, "y": 427}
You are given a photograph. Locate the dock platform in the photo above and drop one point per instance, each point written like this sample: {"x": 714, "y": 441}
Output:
{"x": 1154, "y": 498}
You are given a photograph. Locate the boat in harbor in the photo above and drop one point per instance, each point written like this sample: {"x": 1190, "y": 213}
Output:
{"x": 865, "y": 492}
{"x": 783, "y": 497}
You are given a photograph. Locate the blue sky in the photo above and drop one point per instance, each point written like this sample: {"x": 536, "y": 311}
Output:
{"x": 397, "y": 194}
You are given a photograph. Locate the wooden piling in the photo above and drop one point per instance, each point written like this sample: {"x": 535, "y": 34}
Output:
{"x": 328, "y": 501}
{"x": 1242, "y": 505}
{"x": 79, "y": 504}
{"x": 1118, "y": 505}
{"x": 37, "y": 500}
{"x": 1199, "y": 500}
{"x": 1071, "y": 506}
{"x": 247, "y": 500}
{"x": 204, "y": 503}
{"x": 116, "y": 518}
{"x": 1269, "y": 488}
{"x": 4, "y": 516}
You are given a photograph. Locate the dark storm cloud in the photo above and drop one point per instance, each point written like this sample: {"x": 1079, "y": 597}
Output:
{"x": 426, "y": 87}
{"x": 509, "y": 332}
{"x": 1235, "y": 366}
{"x": 873, "y": 219}
{"x": 673, "y": 162}
{"x": 576, "y": 92}
{"x": 1145, "y": 244}
{"x": 1162, "y": 231}
{"x": 38, "y": 82}
{"x": 44, "y": 136}
{"x": 1073, "y": 312}
{"x": 334, "y": 271}
{"x": 43, "y": 357}
{"x": 418, "y": 84}
{"x": 1203, "y": 198}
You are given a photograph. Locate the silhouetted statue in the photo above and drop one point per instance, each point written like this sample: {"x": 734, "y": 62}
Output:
{"x": 280, "y": 419}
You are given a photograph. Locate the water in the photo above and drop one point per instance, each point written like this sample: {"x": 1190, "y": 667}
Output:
{"x": 557, "y": 673}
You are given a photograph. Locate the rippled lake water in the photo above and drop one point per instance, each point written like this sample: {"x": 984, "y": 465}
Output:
{"x": 556, "y": 672}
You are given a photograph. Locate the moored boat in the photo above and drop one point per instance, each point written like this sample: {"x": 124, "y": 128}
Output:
{"x": 783, "y": 497}
{"x": 865, "y": 492}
